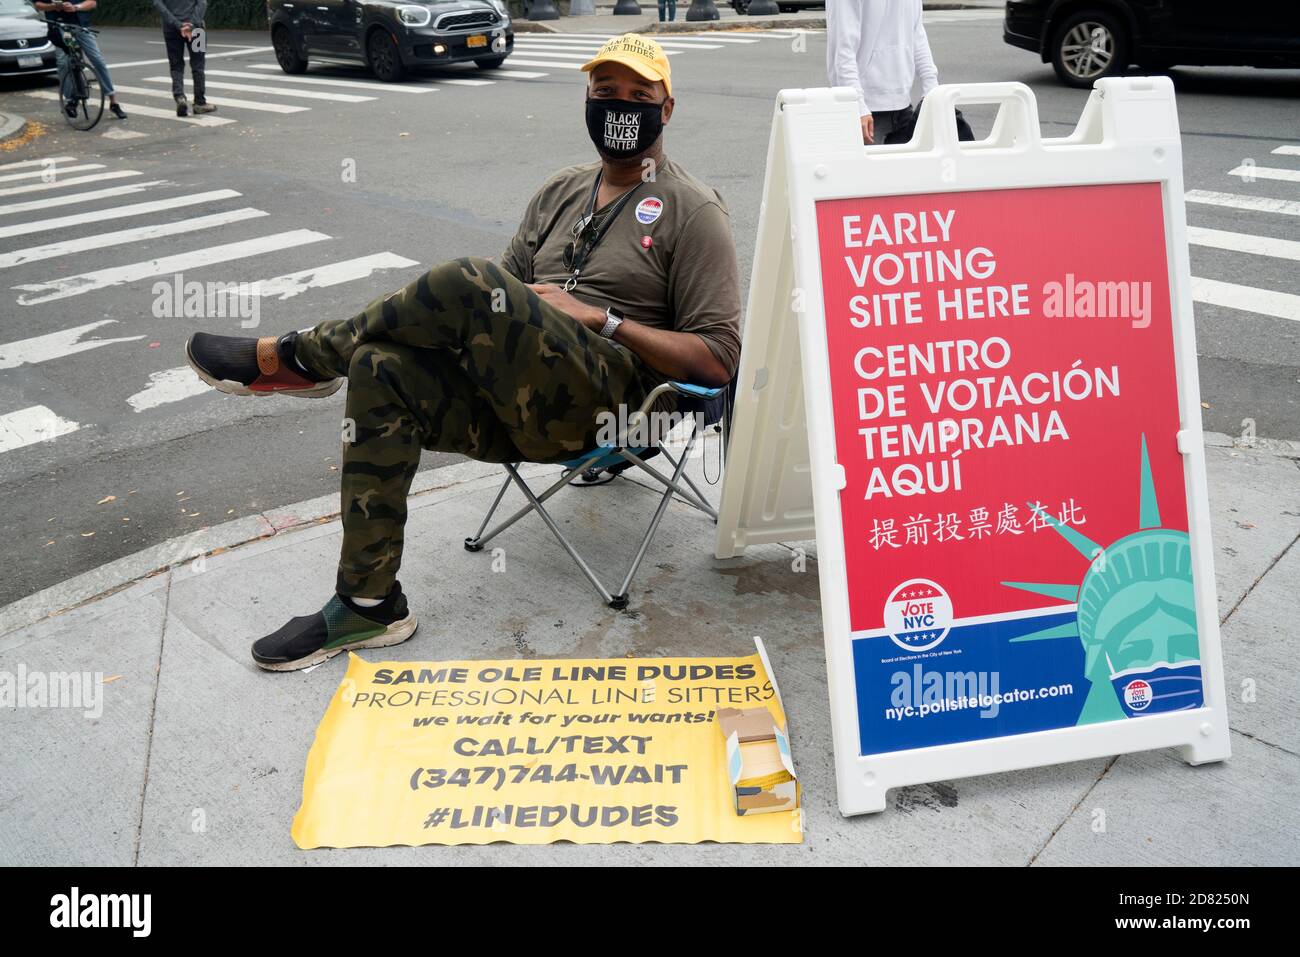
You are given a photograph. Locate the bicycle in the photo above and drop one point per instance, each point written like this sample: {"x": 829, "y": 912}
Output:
{"x": 81, "y": 96}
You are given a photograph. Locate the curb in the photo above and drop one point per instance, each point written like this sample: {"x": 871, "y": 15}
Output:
{"x": 11, "y": 124}
{"x": 117, "y": 575}
{"x": 218, "y": 539}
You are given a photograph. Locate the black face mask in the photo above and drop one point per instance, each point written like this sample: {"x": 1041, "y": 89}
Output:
{"x": 622, "y": 128}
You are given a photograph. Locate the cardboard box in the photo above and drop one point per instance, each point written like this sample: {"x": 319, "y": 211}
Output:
{"x": 758, "y": 761}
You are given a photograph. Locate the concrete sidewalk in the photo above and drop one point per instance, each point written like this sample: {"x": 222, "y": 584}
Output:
{"x": 191, "y": 729}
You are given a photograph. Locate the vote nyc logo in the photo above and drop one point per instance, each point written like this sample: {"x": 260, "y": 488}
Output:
{"x": 918, "y": 615}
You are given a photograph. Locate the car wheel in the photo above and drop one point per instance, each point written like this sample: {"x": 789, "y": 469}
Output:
{"x": 1087, "y": 46}
{"x": 491, "y": 63}
{"x": 385, "y": 60}
{"x": 286, "y": 52}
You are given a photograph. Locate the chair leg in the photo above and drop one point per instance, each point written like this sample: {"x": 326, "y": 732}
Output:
{"x": 565, "y": 478}
{"x": 654, "y": 525}
{"x": 540, "y": 509}
{"x": 475, "y": 543}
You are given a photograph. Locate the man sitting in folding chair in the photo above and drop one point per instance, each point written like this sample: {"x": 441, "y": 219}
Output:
{"x": 621, "y": 278}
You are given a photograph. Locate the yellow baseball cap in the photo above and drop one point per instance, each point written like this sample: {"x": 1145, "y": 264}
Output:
{"x": 637, "y": 53}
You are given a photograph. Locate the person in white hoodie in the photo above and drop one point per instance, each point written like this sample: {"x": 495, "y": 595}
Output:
{"x": 878, "y": 49}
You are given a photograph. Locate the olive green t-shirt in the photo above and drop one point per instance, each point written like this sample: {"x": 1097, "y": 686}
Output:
{"x": 667, "y": 261}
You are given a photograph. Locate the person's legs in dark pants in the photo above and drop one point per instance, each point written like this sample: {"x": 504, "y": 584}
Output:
{"x": 401, "y": 400}
{"x": 198, "y": 59}
{"x": 464, "y": 359}
{"x": 175, "y": 44}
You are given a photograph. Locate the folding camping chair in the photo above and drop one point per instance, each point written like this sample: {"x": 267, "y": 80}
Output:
{"x": 704, "y": 406}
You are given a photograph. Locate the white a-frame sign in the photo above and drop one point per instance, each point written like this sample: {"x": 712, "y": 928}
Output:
{"x": 969, "y": 372}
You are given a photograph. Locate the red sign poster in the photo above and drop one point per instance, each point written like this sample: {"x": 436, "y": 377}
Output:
{"x": 1006, "y": 411}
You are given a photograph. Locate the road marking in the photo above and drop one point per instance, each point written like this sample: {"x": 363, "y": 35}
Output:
{"x": 33, "y": 173}
{"x": 102, "y": 278}
{"x": 1287, "y": 151}
{"x": 296, "y": 283}
{"x": 546, "y": 63}
{"x": 75, "y": 181}
{"x": 56, "y": 345}
{"x": 32, "y": 425}
{"x": 1265, "y": 302}
{"x": 221, "y": 101}
{"x": 318, "y": 81}
{"x": 117, "y": 133}
{"x": 1257, "y": 204}
{"x": 272, "y": 90}
{"x": 1244, "y": 243}
{"x": 211, "y": 56}
{"x": 600, "y": 37}
{"x": 570, "y": 50}
{"x": 170, "y": 385}
{"x": 516, "y": 74}
{"x": 465, "y": 82}
{"x": 537, "y": 40}
{"x": 122, "y": 236}
{"x": 39, "y": 162}
{"x": 149, "y": 111}
{"x": 711, "y": 38}
{"x": 1249, "y": 173}
{"x": 113, "y": 212}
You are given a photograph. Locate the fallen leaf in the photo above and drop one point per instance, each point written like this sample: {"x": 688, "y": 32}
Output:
{"x": 87, "y": 534}
{"x": 111, "y": 679}
{"x": 107, "y": 498}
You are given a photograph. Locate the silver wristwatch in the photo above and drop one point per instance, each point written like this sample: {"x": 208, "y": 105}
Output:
{"x": 613, "y": 319}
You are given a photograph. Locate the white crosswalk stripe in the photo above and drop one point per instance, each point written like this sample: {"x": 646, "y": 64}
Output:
{"x": 373, "y": 85}
{"x": 60, "y": 183}
{"x": 83, "y": 283}
{"x": 56, "y": 345}
{"x": 192, "y": 228}
{"x": 271, "y": 91}
{"x": 1238, "y": 297}
{"x": 62, "y": 170}
{"x": 49, "y": 161}
{"x": 31, "y": 425}
{"x": 67, "y": 247}
{"x": 113, "y": 212}
{"x": 149, "y": 111}
{"x": 221, "y": 101}
{"x": 46, "y": 202}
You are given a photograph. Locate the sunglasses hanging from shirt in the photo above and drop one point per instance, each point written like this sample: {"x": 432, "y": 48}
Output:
{"x": 586, "y": 235}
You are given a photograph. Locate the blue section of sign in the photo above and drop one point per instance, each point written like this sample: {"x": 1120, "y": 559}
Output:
{"x": 947, "y": 694}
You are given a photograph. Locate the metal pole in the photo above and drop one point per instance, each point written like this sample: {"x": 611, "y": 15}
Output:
{"x": 763, "y": 8}
{"x": 627, "y": 8}
{"x": 543, "y": 10}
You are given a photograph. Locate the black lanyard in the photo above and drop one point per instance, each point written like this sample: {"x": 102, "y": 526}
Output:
{"x": 582, "y": 248}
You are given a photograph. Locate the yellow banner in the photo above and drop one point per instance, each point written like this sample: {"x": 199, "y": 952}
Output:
{"x": 530, "y": 752}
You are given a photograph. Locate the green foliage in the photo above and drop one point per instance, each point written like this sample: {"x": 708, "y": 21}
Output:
{"x": 222, "y": 14}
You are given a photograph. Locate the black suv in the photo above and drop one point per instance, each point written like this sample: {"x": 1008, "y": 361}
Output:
{"x": 1089, "y": 39}
{"x": 389, "y": 36}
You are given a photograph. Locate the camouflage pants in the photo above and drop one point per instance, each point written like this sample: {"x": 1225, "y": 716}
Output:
{"x": 464, "y": 359}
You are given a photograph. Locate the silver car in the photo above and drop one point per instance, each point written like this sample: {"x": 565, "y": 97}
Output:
{"x": 24, "y": 46}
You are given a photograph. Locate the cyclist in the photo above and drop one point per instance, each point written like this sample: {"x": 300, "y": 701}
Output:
{"x": 77, "y": 15}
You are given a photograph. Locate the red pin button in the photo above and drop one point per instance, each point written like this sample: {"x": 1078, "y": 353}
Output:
{"x": 646, "y": 242}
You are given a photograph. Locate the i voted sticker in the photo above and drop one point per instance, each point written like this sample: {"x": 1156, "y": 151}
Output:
{"x": 648, "y": 210}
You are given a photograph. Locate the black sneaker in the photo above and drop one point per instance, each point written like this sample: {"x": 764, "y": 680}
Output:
{"x": 239, "y": 365}
{"x": 340, "y": 626}
{"x": 70, "y": 110}
{"x": 182, "y": 106}
{"x": 203, "y": 106}
{"x": 117, "y": 111}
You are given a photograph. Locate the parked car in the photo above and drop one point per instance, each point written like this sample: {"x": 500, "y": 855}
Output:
{"x": 1086, "y": 40}
{"x": 25, "y": 47}
{"x": 390, "y": 36}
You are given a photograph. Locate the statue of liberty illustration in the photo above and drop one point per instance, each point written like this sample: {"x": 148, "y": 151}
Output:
{"x": 1136, "y": 615}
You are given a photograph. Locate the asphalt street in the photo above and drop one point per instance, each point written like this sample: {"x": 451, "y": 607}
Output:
{"x": 340, "y": 188}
